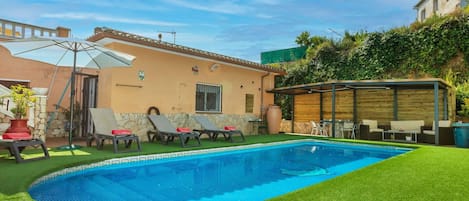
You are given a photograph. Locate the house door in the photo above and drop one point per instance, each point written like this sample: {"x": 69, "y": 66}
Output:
{"x": 90, "y": 85}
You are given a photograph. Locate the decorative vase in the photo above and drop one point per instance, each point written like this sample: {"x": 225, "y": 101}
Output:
{"x": 274, "y": 118}
{"x": 18, "y": 126}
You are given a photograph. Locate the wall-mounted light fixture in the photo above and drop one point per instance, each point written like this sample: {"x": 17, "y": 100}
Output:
{"x": 195, "y": 69}
{"x": 214, "y": 67}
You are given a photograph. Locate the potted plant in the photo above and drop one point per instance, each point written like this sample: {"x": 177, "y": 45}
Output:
{"x": 461, "y": 128}
{"x": 464, "y": 112}
{"x": 23, "y": 99}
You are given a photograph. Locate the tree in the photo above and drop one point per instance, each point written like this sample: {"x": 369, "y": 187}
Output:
{"x": 303, "y": 39}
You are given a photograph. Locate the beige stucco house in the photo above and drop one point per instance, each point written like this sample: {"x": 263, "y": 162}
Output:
{"x": 427, "y": 8}
{"x": 180, "y": 81}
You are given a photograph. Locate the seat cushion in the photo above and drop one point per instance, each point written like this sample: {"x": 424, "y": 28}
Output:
{"x": 429, "y": 132}
{"x": 379, "y": 130}
{"x": 183, "y": 130}
{"x": 442, "y": 123}
{"x": 121, "y": 132}
{"x": 407, "y": 125}
{"x": 17, "y": 136}
{"x": 230, "y": 128}
{"x": 372, "y": 123}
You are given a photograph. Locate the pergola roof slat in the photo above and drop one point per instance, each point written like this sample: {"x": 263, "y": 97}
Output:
{"x": 321, "y": 87}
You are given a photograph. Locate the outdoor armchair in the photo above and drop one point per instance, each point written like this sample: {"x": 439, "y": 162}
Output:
{"x": 167, "y": 132}
{"x": 213, "y": 131}
{"x": 445, "y": 132}
{"x": 369, "y": 130}
{"x": 106, "y": 128}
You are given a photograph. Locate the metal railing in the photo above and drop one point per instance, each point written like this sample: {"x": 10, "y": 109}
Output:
{"x": 16, "y": 30}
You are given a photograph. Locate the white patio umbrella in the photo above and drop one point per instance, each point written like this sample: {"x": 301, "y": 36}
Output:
{"x": 68, "y": 52}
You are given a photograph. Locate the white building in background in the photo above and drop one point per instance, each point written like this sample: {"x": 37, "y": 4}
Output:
{"x": 427, "y": 8}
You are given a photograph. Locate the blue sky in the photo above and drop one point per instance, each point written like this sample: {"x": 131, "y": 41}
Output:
{"x": 236, "y": 28}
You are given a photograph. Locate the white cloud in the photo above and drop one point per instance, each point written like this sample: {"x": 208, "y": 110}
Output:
{"x": 268, "y": 2}
{"x": 104, "y": 18}
{"x": 122, "y": 4}
{"x": 264, "y": 16}
{"x": 215, "y": 7}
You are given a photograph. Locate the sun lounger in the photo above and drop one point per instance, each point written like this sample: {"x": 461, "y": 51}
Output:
{"x": 167, "y": 132}
{"x": 17, "y": 142}
{"x": 106, "y": 128}
{"x": 213, "y": 131}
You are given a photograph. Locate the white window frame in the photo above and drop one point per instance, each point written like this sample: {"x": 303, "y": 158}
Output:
{"x": 218, "y": 104}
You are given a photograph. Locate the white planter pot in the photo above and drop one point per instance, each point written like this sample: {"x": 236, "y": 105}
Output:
{"x": 408, "y": 138}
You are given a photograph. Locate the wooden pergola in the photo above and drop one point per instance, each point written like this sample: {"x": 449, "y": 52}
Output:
{"x": 409, "y": 98}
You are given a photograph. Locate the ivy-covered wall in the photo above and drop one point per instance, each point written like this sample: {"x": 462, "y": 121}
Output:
{"x": 438, "y": 47}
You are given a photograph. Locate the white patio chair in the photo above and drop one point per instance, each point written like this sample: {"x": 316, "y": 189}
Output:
{"x": 317, "y": 129}
{"x": 349, "y": 126}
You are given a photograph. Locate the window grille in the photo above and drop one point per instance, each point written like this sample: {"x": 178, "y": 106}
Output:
{"x": 208, "y": 98}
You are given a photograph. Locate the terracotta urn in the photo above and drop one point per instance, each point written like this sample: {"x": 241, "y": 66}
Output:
{"x": 274, "y": 118}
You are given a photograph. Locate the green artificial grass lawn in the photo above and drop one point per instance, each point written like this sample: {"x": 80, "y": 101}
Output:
{"x": 427, "y": 173}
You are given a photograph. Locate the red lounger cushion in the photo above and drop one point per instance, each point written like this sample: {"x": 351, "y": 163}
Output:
{"x": 17, "y": 136}
{"x": 183, "y": 130}
{"x": 230, "y": 128}
{"x": 121, "y": 132}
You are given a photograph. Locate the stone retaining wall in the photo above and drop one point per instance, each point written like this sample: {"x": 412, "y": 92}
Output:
{"x": 40, "y": 118}
{"x": 56, "y": 127}
{"x": 302, "y": 127}
{"x": 139, "y": 123}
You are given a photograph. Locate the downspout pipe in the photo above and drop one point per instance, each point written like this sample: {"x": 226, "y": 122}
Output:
{"x": 262, "y": 94}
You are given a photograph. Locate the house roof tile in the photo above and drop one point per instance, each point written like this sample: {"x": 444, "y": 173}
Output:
{"x": 103, "y": 32}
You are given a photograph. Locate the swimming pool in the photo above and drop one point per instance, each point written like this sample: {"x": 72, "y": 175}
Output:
{"x": 256, "y": 173}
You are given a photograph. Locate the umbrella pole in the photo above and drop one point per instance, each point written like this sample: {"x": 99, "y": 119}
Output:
{"x": 72, "y": 102}
{"x": 71, "y": 146}
{"x": 72, "y": 99}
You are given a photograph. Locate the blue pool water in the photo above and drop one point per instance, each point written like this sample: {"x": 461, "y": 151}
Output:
{"x": 249, "y": 174}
